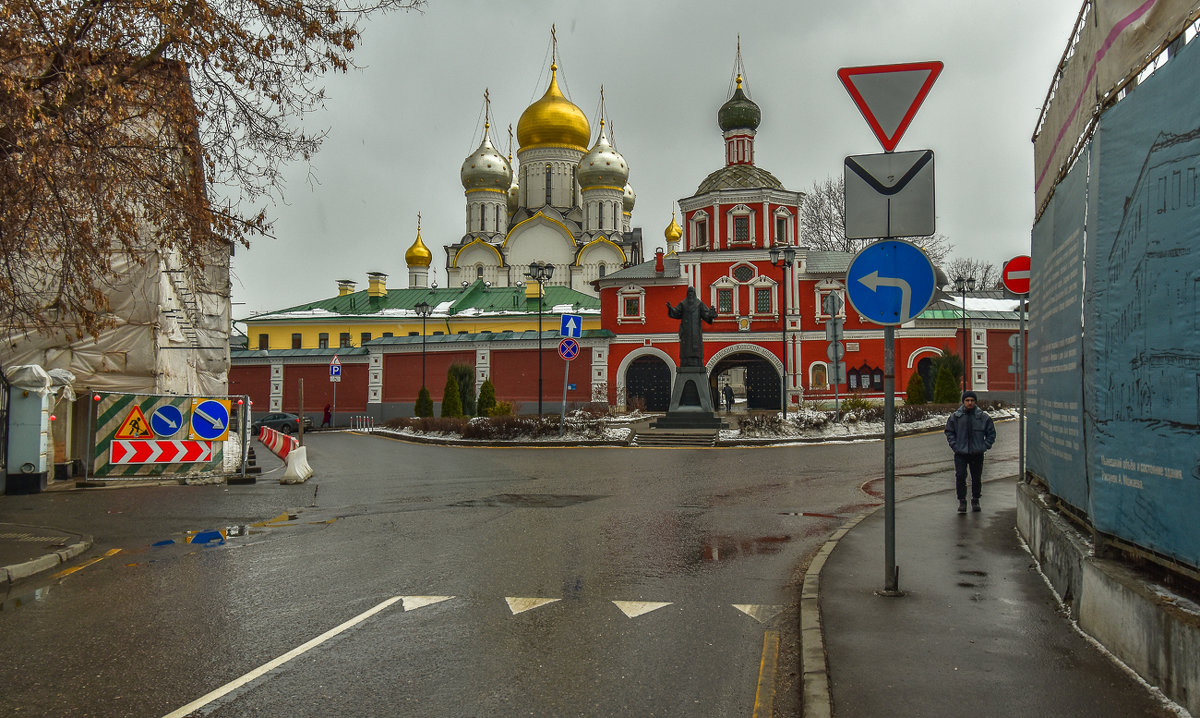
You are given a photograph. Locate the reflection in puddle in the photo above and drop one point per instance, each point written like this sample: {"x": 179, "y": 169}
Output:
{"x": 15, "y": 602}
{"x": 725, "y": 548}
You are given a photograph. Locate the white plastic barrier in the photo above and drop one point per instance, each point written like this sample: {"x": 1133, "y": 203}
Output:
{"x": 298, "y": 470}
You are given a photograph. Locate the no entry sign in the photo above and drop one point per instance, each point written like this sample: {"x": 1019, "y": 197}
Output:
{"x": 1016, "y": 275}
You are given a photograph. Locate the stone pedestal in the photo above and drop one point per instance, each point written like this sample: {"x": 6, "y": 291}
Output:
{"x": 691, "y": 403}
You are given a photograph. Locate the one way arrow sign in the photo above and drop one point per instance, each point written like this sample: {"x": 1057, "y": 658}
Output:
{"x": 572, "y": 326}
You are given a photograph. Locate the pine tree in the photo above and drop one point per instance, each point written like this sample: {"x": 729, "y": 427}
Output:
{"x": 424, "y": 407}
{"x": 915, "y": 391}
{"x": 451, "y": 402}
{"x": 464, "y": 374}
{"x": 487, "y": 398}
{"x": 945, "y": 389}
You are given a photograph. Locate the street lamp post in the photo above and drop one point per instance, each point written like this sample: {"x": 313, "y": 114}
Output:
{"x": 541, "y": 273}
{"x": 963, "y": 286}
{"x": 423, "y": 309}
{"x": 789, "y": 256}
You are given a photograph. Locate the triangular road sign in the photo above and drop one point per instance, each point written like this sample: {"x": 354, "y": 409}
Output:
{"x": 135, "y": 426}
{"x": 888, "y": 96}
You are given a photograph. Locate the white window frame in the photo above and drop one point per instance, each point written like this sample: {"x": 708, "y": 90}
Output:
{"x": 694, "y": 223}
{"x": 740, "y": 210}
{"x": 763, "y": 282}
{"x": 725, "y": 283}
{"x": 786, "y": 215}
{"x": 828, "y": 287}
{"x": 631, "y": 292}
{"x": 812, "y": 370}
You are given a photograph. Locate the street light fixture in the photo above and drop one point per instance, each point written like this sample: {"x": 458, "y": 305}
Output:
{"x": 423, "y": 310}
{"x": 789, "y": 256}
{"x": 541, "y": 273}
{"x": 963, "y": 286}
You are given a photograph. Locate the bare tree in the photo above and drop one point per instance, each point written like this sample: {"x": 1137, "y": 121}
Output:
{"x": 985, "y": 274}
{"x": 823, "y": 222}
{"x": 150, "y": 126}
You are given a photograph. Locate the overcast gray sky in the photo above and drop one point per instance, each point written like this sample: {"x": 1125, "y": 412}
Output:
{"x": 400, "y": 128}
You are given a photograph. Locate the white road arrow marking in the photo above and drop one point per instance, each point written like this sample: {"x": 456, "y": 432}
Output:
{"x": 521, "y": 605}
{"x": 760, "y": 613}
{"x": 412, "y": 603}
{"x": 633, "y": 609}
{"x": 873, "y": 282}
{"x": 215, "y": 424}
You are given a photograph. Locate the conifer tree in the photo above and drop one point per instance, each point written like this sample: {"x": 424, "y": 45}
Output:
{"x": 945, "y": 389}
{"x": 424, "y": 407}
{"x": 451, "y": 402}
{"x": 487, "y": 398}
{"x": 464, "y": 374}
{"x": 915, "y": 391}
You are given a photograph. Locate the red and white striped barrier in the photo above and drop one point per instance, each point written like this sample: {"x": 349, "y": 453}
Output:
{"x": 278, "y": 442}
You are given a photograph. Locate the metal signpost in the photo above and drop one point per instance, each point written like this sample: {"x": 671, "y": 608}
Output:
{"x": 890, "y": 195}
{"x": 890, "y": 283}
{"x": 832, "y": 304}
{"x": 335, "y": 377}
{"x": 568, "y": 349}
{"x": 1015, "y": 276}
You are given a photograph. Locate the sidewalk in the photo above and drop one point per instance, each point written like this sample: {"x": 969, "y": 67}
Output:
{"x": 27, "y": 550}
{"x": 978, "y": 632}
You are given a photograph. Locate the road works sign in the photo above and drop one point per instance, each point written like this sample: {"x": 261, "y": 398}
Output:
{"x": 888, "y": 96}
{"x": 1016, "y": 274}
{"x": 135, "y": 426}
{"x": 890, "y": 282}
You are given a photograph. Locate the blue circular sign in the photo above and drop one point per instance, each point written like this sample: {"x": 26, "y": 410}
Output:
{"x": 891, "y": 282}
{"x": 210, "y": 420}
{"x": 166, "y": 421}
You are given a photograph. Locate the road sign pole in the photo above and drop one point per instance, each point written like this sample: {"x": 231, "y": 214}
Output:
{"x": 891, "y": 579}
{"x": 1021, "y": 389}
{"x": 562, "y": 419}
{"x": 300, "y": 412}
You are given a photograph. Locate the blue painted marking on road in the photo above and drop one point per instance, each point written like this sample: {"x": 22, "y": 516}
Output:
{"x": 166, "y": 421}
{"x": 890, "y": 282}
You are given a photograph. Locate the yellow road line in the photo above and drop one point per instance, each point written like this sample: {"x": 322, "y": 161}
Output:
{"x": 764, "y": 697}
{"x": 85, "y": 564}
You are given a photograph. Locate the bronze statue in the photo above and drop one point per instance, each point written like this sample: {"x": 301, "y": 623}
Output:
{"x": 690, "y": 312}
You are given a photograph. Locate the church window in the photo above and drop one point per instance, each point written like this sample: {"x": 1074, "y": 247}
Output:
{"x": 547, "y": 183}
{"x": 743, "y": 273}
{"x": 614, "y": 222}
{"x": 741, "y": 229}
{"x": 481, "y": 218}
{"x": 781, "y": 230}
{"x": 295, "y": 341}
{"x": 479, "y": 271}
{"x": 323, "y": 340}
{"x": 633, "y": 306}
{"x": 497, "y": 208}
{"x": 724, "y": 301}
{"x": 762, "y": 300}
{"x": 602, "y": 269}
{"x": 701, "y": 235}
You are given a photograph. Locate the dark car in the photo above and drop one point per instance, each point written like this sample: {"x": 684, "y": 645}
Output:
{"x": 280, "y": 421}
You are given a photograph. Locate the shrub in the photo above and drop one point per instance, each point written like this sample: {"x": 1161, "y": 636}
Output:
{"x": 487, "y": 398}
{"x": 915, "y": 391}
{"x": 424, "y": 405}
{"x": 855, "y": 402}
{"x": 451, "y": 403}
{"x": 511, "y": 427}
{"x": 945, "y": 389}
{"x": 635, "y": 404}
{"x": 753, "y": 424}
{"x": 502, "y": 408}
{"x": 807, "y": 418}
{"x": 464, "y": 374}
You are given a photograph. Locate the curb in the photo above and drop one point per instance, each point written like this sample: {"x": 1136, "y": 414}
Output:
{"x": 16, "y": 572}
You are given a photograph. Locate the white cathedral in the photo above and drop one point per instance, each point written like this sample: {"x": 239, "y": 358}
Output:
{"x": 566, "y": 206}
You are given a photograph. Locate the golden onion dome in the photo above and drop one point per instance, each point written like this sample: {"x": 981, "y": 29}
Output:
{"x": 673, "y": 231}
{"x": 418, "y": 255}
{"x": 553, "y": 121}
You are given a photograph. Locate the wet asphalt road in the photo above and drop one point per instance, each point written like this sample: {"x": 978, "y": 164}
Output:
{"x": 503, "y": 582}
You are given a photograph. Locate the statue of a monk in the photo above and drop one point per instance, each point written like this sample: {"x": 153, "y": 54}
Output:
{"x": 690, "y": 312}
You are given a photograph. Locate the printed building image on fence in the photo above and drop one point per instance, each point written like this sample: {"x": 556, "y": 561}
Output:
{"x": 1114, "y": 380}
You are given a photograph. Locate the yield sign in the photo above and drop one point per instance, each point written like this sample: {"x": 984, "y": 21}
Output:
{"x": 888, "y": 96}
{"x": 1016, "y": 274}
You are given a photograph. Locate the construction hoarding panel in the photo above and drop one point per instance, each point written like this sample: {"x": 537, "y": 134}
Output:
{"x": 1143, "y": 315}
{"x": 138, "y": 436}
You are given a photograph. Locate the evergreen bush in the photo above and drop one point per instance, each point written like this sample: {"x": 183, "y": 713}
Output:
{"x": 915, "y": 391}
{"x": 424, "y": 407}
{"x": 464, "y": 374}
{"x": 451, "y": 402}
{"x": 945, "y": 389}
{"x": 487, "y": 398}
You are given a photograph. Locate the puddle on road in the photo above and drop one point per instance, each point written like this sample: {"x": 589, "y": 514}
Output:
{"x": 727, "y": 548}
{"x": 528, "y": 501}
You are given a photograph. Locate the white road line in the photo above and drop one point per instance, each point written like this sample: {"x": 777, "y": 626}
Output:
{"x": 760, "y": 613}
{"x": 272, "y": 665}
{"x": 412, "y": 603}
{"x": 521, "y": 605}
{"x": 633, "y": 609}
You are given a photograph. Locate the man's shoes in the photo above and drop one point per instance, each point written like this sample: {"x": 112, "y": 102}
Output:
{"x": 974, "y": 505}
{"x": 962, "y": 506}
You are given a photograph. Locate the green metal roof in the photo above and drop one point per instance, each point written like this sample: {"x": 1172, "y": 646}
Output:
{"x": 475, "y": 299}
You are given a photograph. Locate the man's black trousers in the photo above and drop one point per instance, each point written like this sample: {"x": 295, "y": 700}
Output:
{"x": 962, "y": 462}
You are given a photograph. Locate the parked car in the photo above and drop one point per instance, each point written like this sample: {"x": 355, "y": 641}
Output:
{"x": 280, "y": 421}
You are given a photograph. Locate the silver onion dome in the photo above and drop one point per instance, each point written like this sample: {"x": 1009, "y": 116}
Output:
{"x": 486, "y": 168}
{"x": 602, "y": 166}
{"x": 628, "y": 199}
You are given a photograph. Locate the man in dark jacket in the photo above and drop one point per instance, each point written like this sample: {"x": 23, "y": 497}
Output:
{"x": 970, "y": 432}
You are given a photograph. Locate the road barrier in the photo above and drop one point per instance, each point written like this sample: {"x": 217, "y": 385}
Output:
{"x": 362, "y": 423}
{"x": 294, "y": 456}
{"x": 278, "y": 442}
